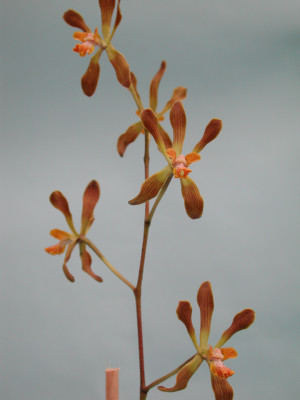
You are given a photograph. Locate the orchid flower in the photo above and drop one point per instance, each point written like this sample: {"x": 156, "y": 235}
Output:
{"x": 177, "y": 163}
{"x": 70, "y": 240}
{"x": 134, "y": 130}
{"x": 90, "y": 41}
{"x": 214, "y": 356}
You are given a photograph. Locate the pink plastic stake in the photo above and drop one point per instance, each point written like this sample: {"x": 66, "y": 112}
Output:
{"x": 112, "y": 383}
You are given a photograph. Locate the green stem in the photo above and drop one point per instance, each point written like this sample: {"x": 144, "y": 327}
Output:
{"x": 106, "y": 262}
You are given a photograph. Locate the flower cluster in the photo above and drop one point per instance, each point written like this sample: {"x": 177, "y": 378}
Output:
{"x": 214, "y": 356}
{"x": 70, "y": 240}
{"x": 134, "y": 130}
{"x": 177, "y": 163}
{"x": 90, "y": 40}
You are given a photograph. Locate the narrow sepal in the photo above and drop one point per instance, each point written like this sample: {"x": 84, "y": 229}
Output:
{"x": 241, "y": 321}
{"x": 86, "y": 261}
{"x": 155, "y": 84}
{"x": 68, "y": 274}
{"x": 184, "y": 314}
{"x": 165, "y": 137}
{"x": 120, "y": 65}
{"x": 128, "y": 137}
{"x": 178, "y": 94}
{"x": 178, "y": 122}
{"x": 193, "y": 201}
{"x": 150, "y": 123}
{"x": 90, "y": 79}
{"x": 152, "y": 186}
{"x": 107, "y": 8}
{"x": 74, "y": 19}
{"x": 184, "y": 375}
{"x": 69, "y": 251}
{"x": 90, "y": 198}
{"x": 206, "y": 304}
{"x": 59, "y": 201}
{"x": 221, "y": 388}
{"x": 118, "y": 19}
{"x": 211, "y": 132}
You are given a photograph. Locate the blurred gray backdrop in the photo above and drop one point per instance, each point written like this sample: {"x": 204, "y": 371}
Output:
{"x": 240, "y": 63}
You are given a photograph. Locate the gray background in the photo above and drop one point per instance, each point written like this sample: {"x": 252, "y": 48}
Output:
{"x": 240, "y": 63}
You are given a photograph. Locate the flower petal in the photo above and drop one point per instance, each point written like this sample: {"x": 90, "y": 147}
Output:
{"x": 172, "y": 154}
{"x": 90, "y": 198}
{"x": 178, "y": 94}
{"x": 74, "y": 19}
{"x": 184, "y": 375}
{"x": 178, "y": 122}
{"x": 128, "y": 137}
{"x": 58, "y": 200}
{"x": 192, "y": 157}
{"x": 221, "y": 388}
{"x": 228, "y": 352}
{"x": 90, "y": 79}
{"x": 211, "y": 132}
{"x": 56, "y": 249}
{"x": 193, "y": 201}
{"x": 241, "y": 321}
{"x": 86, "y": 260}
{"x": 150, "y": 123}
{"x": 120, "y": 65}
{"x": 60, "y": 235}
{"x": 107, "y": 8}
{"x": 152, "y": 186}
{"x": 69, "y": 251}
{"x": 155, "y": 84}
{"x": 117, "y": 20}
{"x": 184, "y": 314}
{"x": 206, "y": 304}
{"x": 165, "y": 136}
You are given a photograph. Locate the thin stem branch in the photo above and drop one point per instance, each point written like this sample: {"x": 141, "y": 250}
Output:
{"x": 167, "y": 376}
{"x": 159, "y": 197}
{"x": 106, "y": 262}
{"x": 136, "y": 97}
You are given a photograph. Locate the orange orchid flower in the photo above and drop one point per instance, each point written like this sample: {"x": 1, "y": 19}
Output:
{"x": 90, "y": 40}
{"x": 177, "y": 163}
{"x": 214, "y": 356}
{"x": 70, "y": 240}
{"x": 134, "y": 130}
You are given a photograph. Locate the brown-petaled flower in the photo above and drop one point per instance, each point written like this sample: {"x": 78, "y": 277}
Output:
{"x": 177, "y": 163}
{"x": 214, "y": 356}
{"x": 90, "y": 40}
{"x": 70, "y": 240}
{"x": 134, "y": 130}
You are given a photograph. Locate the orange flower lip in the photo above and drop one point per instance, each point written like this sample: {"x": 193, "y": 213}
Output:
{"x": 180, "y": 169}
